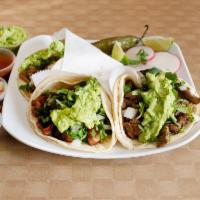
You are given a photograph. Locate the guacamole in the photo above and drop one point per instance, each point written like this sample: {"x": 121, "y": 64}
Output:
{"x": 84, "y": 110}
{"x": 161, "y": 99}
{"x": 44, "y": 57}
{"x": 73, "y": 113}
{"x": 12, "y": 36}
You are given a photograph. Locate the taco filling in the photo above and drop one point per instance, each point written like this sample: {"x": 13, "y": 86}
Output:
{"x": 73, "y": 112}
{"x": 39, "y": 61}
{"x": 164, "y": 106}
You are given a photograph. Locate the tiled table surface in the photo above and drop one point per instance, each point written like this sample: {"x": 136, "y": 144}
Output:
{"x": 26, "y": 173}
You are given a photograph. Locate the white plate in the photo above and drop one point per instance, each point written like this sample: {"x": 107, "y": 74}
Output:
{"x": 15, "y": 122}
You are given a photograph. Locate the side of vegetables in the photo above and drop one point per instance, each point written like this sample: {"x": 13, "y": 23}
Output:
{"x": 137, "y": 51}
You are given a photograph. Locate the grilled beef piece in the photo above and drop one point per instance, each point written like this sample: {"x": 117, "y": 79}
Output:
{"x": 173, "y": 128}
{"x": 39, "y": 101}
{"x": 131, "y": 100}
{"x": 131, "y": 128}
{"x": 31, "y": 70}
{"x": 186, "y": 94}
{"x": 92, "y": 140}
{"x": 23, "y": 76}
{"x": 182, "y": 119}
{"x": 27, "y": 73}
{"x": 39, "y": 125}
{"x": 48, "y": 130}
{"x": 163, "y": 136}
{"x": 67, "y": 138}
{"x": 57, "y": 134}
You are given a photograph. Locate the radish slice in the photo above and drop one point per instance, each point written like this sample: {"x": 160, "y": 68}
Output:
{"x": 165, "y": 61}
{"x": 132, "y": 52}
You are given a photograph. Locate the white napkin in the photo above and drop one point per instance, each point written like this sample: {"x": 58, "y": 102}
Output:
{"x": 81, "y": 57}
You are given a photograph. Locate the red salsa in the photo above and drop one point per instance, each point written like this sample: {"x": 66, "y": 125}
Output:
{"x": 5, "y": 60}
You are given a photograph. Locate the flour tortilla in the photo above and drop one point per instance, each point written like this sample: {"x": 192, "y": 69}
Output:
{"x": 120, "y": 133}
{"x": 67, "y": 80}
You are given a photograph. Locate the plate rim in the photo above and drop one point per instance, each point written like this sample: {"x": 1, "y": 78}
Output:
{"x": 129, "y": 154}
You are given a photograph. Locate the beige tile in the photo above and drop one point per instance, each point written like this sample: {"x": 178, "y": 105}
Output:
{"x": 19, "y": 157}
{"x": 61, "y": 160}
{"x": 124, "y": 189}
{"x": 60, "y": 172}
{"x": 81, "y": 172}
{"x": 103, "y": 188}
{"x": 197, "y": 170}
{"x": 164, "y": 172}
{"x": 81, "y": 161}
{"x": 195, "y": 144}
{"x": 38, "y": 172}
{"x": 146, "y": 188}
{"x": 102, "y": 162}
{"x": 39, "y": 157}
{"x": 127, "y": 198}
{"x": 188, "y": 188}
{"x": 145, "y": 171}
{"x": 13, "y": 189}
{"x": 185, "y": 171}
{"x": 170, "y": 197}
{"x": 14, "y": 172}
{"x": 66, "y": 198}
{"x": 82, "y": 189}
{"x": 102, "y": 172}
{"x": 36, "y": 198}
{"x": 4, "y": 157}
{"x": 194, "y": 156}
{"x": 122, "y": 161}
{"x": 123, "y": 172}
{"x": 146, "y": 160}
{"x": 181, "y": 156}
{"x": 60, "y": 189}
{"x": 81, "y": 198}
{"x": 167, "y": 188}
{"x": 2, "y": 186}
{"x": 37, "y": 189}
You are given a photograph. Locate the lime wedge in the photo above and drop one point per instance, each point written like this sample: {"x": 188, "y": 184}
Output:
{"x": 117, "y": 51}
{"x": 158, "y": 44}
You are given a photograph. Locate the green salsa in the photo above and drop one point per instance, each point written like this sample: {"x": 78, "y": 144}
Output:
{"x": 12, "y": 36}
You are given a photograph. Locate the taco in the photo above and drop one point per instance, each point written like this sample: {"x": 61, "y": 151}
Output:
{"x": 40, "y": 60}
{"x": 157, "y": 112}
{"x": 74, "y": 112}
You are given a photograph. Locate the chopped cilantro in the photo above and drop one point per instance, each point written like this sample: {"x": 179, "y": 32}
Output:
{"x": 154, "y": 71}
{"x": 127, "y": 61}
{"x": 127, "y": 89}
{"x": 27, "y": 87}
{"x": 142, "y": 56}
{"x": 79, "y": 134}
{"x": 171, "y": 76}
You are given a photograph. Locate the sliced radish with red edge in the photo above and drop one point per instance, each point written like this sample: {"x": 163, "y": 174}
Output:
{"x": 132, "y": 52}
{"x": 165, "y": 61}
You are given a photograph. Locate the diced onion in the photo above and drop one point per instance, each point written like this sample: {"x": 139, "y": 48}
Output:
{"x": 75, "y": 128}
{"x": 100, "y": 117}
{"x": 183, "y": 87}
{"x": 107, "y": 127}
{"x": 130, "y": 112}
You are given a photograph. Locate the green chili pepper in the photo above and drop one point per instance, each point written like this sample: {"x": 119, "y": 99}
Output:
{"x": 126, "y": 42}
{"x": 106, "y": 44}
